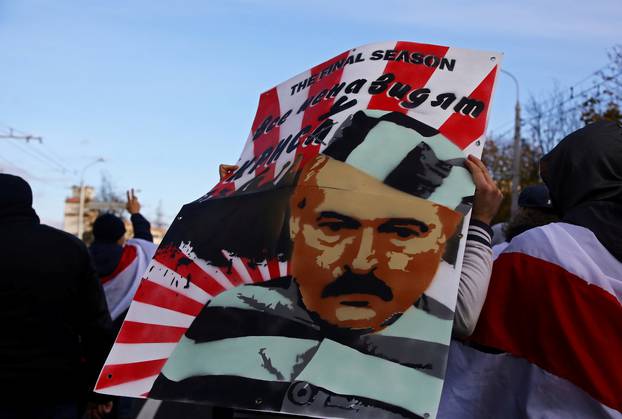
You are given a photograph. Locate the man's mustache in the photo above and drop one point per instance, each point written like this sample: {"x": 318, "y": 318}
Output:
{"x": 351, "y": 283}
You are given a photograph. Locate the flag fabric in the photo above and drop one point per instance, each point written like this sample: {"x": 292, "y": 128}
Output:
{"x": 549, "y": 338}
{"x": 121, "y": 284}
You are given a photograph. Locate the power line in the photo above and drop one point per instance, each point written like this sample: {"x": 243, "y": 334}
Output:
{"x": 15, "y": 134}
{"x": 36, "y": 156}
{"x": 557, "y": 106}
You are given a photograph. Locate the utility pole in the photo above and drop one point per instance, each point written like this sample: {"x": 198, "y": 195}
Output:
{"x": 81, "y": 208}
{"x": 517, "y": 147}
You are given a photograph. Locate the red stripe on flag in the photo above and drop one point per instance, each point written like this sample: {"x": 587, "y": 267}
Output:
{"x": 266, "y": 120}
{"x": 128, "y": 255}
{"x": 253, "y": 270}
{"x": 135, "y": 332}
{"x": 321, "y": 86}
{"x": 414, "y": 75}
{"x": 273, "y": 268}
{"x": 232, "y": 275}
{"x": 464, "y": 129}
{"x": 539, "y": 311}
{"x": 175, "y": 260}
{"x": 155, "y": 294}
{"x": 113, "y": 375}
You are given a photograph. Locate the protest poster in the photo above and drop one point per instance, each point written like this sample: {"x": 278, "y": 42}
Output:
{"x": 320, "y": 278}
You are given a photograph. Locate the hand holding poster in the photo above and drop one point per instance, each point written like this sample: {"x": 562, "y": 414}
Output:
{"x": 320, "y": 277}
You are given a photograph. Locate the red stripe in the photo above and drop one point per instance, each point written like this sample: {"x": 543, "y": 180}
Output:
{"x": 414, "y": 75}
{"x": 232, "y": 275}
{"x": 253, "y": 270}
{"x": 134, "y": 332}
{"x": 155, "y": 294}
{"x": 128, "y": 255}
{"x": 539, "y": 311}
{"x": 313, "y": 112}
{"x": 268, "y": 108}
{"x": 175, "y": 260}
{"x": 462, "y": 129}
{"x": 273, "y": 268}
{"x": 113, "y": 375}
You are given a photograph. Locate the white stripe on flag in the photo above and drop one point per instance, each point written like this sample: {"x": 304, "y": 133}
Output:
{"x": 239, "y": 267}
{"x": 576, "y": 249}
{"x": 168, "y": 278}
{"x": 472, "y": 68}
{"x": 125, "y": 353}
{"x": 132, "y": 388}
{"x": 146, "y": 313}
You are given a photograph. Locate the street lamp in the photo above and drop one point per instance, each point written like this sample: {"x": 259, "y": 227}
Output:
{"x": 81, "y": 208}
{"x": 517, "y": 147}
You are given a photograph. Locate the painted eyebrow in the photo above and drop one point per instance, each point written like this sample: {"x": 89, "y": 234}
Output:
{"x": 348, "y": 221}
{"x": 400, "y": 222}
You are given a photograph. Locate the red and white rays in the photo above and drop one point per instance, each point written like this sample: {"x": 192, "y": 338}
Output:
{"x": 173, "y": 291}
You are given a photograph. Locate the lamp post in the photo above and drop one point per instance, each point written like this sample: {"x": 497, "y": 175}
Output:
{"x": 517, "y": 147}
{"x": 81, "y": 208}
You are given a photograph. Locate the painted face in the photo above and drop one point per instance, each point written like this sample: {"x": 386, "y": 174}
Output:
{"x": 363, "y": 252}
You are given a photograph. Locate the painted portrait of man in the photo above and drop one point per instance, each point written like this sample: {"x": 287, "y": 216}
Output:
{"x": 367, "y": 225}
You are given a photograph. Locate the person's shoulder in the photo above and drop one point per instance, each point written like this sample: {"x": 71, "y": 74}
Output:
{"x": 61, "y": 237}
{"x": 537, "y": 237}
{"x": 145, "y": 245}
{"x": 558, "y": 243}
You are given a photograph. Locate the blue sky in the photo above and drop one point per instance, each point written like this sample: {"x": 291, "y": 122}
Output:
{"x": 165, "y": 91}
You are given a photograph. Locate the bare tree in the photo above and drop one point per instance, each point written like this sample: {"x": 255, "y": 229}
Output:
{"x": 108, "y": 197}
{"x": 605, "y": 101}
{"x": 551, "y": 118}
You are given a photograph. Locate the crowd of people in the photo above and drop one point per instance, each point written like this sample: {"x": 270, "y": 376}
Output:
{"x": 536, "y": 327}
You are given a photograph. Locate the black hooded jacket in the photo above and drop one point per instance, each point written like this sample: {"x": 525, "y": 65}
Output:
{"x": 584, "y": 176}
{"x": 56, "y": 330}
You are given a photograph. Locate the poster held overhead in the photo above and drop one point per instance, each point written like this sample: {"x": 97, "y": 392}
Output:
{"x": 327, "y": 264}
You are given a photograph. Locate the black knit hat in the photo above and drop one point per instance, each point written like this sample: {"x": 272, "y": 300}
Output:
{"x": 108, "y": 228}
{"x": 535, "y": 196}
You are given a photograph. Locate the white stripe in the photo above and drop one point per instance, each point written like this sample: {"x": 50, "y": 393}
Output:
{"x": 120, "y": 290}
{"x": 283, "y": 268}
{"x": 483, "y": 385}
{"x": 239, "y": 267}
{"x": 263, "y": 270}
{"x": 146, "y": 313}
{"x": 125, "y": 353}
{"x": 370, "y": 71}
{"x": 480, "y": 233}
{"x": 168, "y": 278}
{"x": 210, "y": 270}
{"x": 470, "y": 70}
{"x": 576, "y": 250}
{"x": 130, "y": 389}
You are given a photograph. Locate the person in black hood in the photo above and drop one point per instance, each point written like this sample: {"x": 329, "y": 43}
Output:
{"x": 55, "y": 322}
{"x": 120, "y": 263}
{"x": 554, "y": 300}
{"x": 584, "y": 177}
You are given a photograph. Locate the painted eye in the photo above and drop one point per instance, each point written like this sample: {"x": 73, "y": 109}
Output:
{"x": 406, "y": 232}
{"x": 332, "y": 226}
